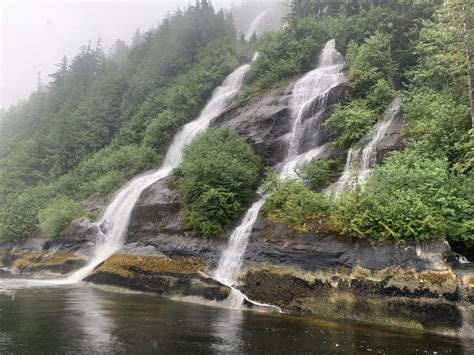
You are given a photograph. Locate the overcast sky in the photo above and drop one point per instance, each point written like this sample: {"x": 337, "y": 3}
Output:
{"x": 36, "y": 34}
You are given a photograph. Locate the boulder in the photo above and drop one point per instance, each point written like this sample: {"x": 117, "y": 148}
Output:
{"x": 157, "y": 212}
{"x": 263, "y": 120}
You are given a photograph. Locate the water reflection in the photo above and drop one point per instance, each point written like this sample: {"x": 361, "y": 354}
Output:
{"x": 74, "y": 319}
{"x": 226, "y": 331}
{"x": 90, "y": 321}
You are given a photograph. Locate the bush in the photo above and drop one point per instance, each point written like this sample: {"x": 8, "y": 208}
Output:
{"x": 351, "y": 122}
{"x": 18, "y": 217}
{"x": 411, "y": 196}
{"x": 319, "y": 173}
{"x": 296, "y": 205}
{"x": 58, "y": 214}
{"x": 108, "y": 183}
{"x": 369, "y": 63}
{"x": 437, "y": 123}
{"x": 216, "y": 180}
{"x": 285, "y": 53}
{"x": 128, "y": 160}
{"x": 161, "y": 129}
{"x": 380, "y": 96}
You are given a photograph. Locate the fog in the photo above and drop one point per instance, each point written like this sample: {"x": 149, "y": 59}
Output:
{"x": 36, "y": 34}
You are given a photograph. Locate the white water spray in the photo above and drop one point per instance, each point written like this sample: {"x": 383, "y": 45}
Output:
{"x": 114, "y": 223}
{"x": 362, "y": 158}
{"x": 315, "y": 85}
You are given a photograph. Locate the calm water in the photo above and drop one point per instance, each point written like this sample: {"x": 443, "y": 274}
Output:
{"x": 72, "y": 319}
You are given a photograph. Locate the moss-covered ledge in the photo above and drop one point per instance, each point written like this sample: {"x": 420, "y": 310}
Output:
{"x": 169, "y": 277}
{"x": 29, "y": 262}
{"x": 432, "y": 300}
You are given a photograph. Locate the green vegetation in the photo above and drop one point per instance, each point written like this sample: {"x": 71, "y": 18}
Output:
{"x": 104, "y": 119}
{"x": 297, "y": 206}
{"x": 216, "y": 180}
{"x": 286, "y": 52}
{"x": 319, "y": 172}
{"x": 426, "y": 191}
{"x": 58, "y": 214}
{"x": 411, "y": 196}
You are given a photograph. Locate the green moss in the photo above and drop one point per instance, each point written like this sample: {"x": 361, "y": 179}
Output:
{"x": 125, "y": 265}
{"x": 41, "y": 259}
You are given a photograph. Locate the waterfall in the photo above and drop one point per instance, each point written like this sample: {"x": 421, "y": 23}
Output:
{"x": 313, "y": 86}
{"x": 113, "y": 225}
{"x": 256, "y": 26}
{"x": 362, "y": 158}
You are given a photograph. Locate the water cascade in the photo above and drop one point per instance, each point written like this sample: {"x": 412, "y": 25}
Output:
{"x": 113, "y": 225}
{"x": 257, "y": 26}
{"x": 362, "y": 158}
{"x": 315, "y": 85}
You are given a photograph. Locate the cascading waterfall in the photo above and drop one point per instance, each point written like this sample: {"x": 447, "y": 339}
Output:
{"x": 362, "y": 158}
{"x": 256, "y": 26}
{"x": 113, "y": 225}
{"x": 315, "y": 85}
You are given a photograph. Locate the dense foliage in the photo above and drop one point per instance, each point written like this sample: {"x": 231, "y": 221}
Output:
{"x": 423, "y": 49}
{"x": 411, "y": 196}
{"x": 103, "y": 119}
{"x": 58, "y": 214}
{"x": 318, "y": 173}
{"x": 216, "y": 179}
{"x": 294, "y": 204}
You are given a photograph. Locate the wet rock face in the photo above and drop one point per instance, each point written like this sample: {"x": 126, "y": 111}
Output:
{"x": 278, "y": 244}
{"x": 265, "y": 120}
{"x": 157, "y": 224}
{"x": 157, "y": 212}
{"x": 393, "y": 137}
{"x": 79, "y": 236}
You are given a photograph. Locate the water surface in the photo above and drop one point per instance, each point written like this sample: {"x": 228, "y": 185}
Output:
{"x": 74, "y": 319}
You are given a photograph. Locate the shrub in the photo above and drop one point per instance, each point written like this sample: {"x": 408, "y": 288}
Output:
{"x": 436, "y": 122}
{"x": 351, "y": 122}
{"x": 129, "y": 160}
{"x": 216, "y": 179}
{"x": 411, "y": 196}
{"x": 380, "y": 96}
{"x": 369, "y": 63}
{"x": 108, "y": 183}
{"x": 18, "y": 218}
{"x": 292, "y": 203}
{"x": 161, "y": 129}
{"x": 58, "y": 214}
{"x": 319, "y": 172}
{"x": 285, "y": 53}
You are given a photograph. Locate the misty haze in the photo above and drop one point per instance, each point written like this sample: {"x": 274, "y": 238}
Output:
{"x": 237, "y": 177}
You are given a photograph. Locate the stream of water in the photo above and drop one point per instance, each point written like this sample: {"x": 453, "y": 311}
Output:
{"x": 362, "y": 157}
{"x": 313, "y": 86}
{"x": 114, "y": 223}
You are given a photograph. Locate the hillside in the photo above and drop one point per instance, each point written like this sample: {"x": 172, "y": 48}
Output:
{"x": 324, "y": 166}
